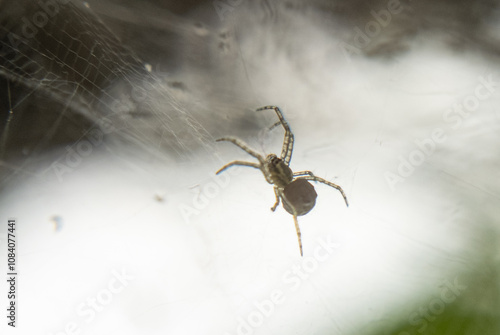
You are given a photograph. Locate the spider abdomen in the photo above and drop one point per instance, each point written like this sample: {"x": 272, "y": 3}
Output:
{"x": 299, "y": 195}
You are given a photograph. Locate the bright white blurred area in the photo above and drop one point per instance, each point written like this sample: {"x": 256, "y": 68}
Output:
{"x": 110, "y": 112}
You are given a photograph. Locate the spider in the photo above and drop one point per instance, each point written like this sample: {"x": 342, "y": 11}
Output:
{"x": 296, "y": 193}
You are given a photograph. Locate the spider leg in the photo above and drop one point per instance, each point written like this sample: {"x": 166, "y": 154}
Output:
{"x": 239, "y": 143}
{"x": 241, "y": 163}
{"x": 275, "y": 125}
{"x": 277, "y": 194}
{"x": 311, "y": 176}
{"x": 287, "y": 149}
{"x": 298, "y": 233}
{"x": 303, "y": 173}
{"x": 244, "y": 146}
{"x": 295, "y": 221}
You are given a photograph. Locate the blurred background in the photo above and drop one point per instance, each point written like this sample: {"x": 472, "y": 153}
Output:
{"x": 109, "y": 111}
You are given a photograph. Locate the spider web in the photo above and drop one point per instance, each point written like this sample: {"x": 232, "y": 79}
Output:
{"x": 61, "y": 58}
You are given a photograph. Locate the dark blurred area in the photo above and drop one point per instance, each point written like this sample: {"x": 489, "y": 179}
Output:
{"x": 66, "y": 68}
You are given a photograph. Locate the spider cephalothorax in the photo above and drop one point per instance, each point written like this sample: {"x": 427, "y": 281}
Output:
{"x": 279, "y": 173}
{"x": 296, "y": 193}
